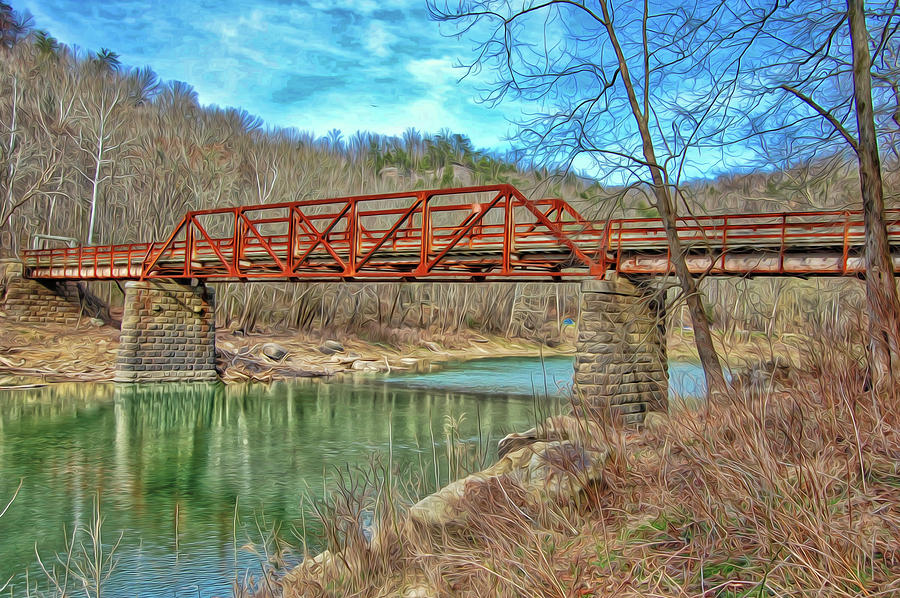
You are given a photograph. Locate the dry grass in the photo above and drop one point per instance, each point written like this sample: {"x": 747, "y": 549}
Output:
{"x": 788, "y": 492}
{"x": 55, "y": 353}
{"x": 791, "y": 492}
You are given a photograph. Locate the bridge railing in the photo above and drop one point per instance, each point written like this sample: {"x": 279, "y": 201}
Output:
{"x": 781, "y": 233}
{"x": 472, "y": 233}
{"x": 96, "y": 262}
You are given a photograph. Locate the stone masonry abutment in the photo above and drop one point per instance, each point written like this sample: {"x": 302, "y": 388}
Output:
{"x": 35, "y": 302}
{"x": 168, "y": 333}
{"x": 620, "y": 358}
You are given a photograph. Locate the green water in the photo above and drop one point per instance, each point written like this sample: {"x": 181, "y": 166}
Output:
{"x": 179, "y": 457}
{"x": 152, "y": 452}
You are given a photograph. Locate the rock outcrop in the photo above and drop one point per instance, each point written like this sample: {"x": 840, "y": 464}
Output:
{"x": 274, "y": 351}
{"x": 561, "y": 459}
{"x": 559, "y": 462}
{"x": 559, "y": 427}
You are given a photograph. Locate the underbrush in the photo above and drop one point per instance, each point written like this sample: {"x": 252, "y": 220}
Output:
{"x": 787, "y": 490}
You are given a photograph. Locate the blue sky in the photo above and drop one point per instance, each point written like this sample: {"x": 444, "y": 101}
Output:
{"x": 375, "y": 65}
{"x": 383, "y": 66}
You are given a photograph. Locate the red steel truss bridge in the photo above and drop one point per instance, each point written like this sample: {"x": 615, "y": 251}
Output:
{"x": 465, "y": 234}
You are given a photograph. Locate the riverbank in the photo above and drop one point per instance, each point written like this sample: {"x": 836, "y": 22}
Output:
{"x": 787, "y": 492}
{"x": 741, "y": 349}
{"x": 53, "y": 353}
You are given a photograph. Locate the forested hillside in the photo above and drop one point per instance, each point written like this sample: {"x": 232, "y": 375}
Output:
{"x": 104, "y": 153}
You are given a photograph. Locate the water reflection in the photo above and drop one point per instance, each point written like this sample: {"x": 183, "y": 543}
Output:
{"x": 164, "y": 458}
{"x": 529, "y": 376}
{"x": 170, "y": 461}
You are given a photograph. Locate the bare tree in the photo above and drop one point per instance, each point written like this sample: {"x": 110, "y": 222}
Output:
{"x": 610, "y": 89}
{"x": 32, "y": 149}
{"x": 827, "y": 79}
{"x": 101, "y": 117}
{"x": 881, "y": 291}
{"x": 13, "y": 26}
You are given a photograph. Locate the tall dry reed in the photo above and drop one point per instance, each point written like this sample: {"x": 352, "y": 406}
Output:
{"x": 788, "y": 490}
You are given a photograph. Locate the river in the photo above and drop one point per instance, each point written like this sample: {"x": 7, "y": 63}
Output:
{"x": 175, "y": 465}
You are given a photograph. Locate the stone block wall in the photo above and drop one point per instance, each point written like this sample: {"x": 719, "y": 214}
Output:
{"x": 39, "y": 302}
{"x": 620, "y": 359}
{"x": 168, "y": 333}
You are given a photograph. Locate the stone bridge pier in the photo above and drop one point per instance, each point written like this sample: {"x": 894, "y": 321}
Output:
{"x": 168, "y": 328}
{"x": 620, "y": 358}
{"x": 168, "y": 333}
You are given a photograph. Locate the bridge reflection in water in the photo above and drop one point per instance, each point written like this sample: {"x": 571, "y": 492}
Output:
{"x": 160, "y": 452}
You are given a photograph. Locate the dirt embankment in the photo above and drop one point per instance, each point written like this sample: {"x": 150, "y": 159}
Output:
{"x": 87, "y": 352}
{"x": 56, "y": 353}
{"x": 53, "y": 353}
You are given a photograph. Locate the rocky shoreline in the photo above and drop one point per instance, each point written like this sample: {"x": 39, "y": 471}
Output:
{"x": 280, "y": 356}
{"x": 87, "y": 353}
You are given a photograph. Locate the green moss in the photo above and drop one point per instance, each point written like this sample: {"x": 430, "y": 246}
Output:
{"x": 609, "y": 559}
{"x": 726, "y": 569}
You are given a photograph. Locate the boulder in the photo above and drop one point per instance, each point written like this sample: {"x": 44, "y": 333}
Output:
{"x": 331, "y": 347}
{"x": 515, "y": 441}
{"x": 445, "y": 506}
{"x": 274, "y": 351}
{"x": 559, "y": 427}
{"x": 546, "y": 471}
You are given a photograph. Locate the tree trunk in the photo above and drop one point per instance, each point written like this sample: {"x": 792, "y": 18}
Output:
{"x": 712, "y": 369}
{"x": 11, "y": 173}
{"x": 95, "y": 182}
{"x": 709, "y": 359}
{"x": 881, "y": 291}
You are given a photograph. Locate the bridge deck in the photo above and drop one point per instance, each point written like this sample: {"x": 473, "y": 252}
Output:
{"x": 474, "y": 233}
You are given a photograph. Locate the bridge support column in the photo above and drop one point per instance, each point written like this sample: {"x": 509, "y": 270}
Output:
{"x": 29, "y": 301}
{"x": 620, "y": 359}
{"x": 168, "y": 333}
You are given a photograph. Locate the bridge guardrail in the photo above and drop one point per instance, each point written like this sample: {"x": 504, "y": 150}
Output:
{"x": 463, "y": 233}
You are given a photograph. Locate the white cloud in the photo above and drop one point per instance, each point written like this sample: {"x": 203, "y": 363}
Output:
{"x": 378, "y": 39}
{"x": 432, "y": 71}
{"x": 399, "y": 71}
{"x": 442, "y": 103}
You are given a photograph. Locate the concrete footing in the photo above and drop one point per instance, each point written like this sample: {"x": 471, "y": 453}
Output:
{"x": 168, "y": 333}
{"x": 620, "y": 359}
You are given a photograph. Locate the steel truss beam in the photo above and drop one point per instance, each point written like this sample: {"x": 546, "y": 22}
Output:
{"x": 490, "y": 232}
